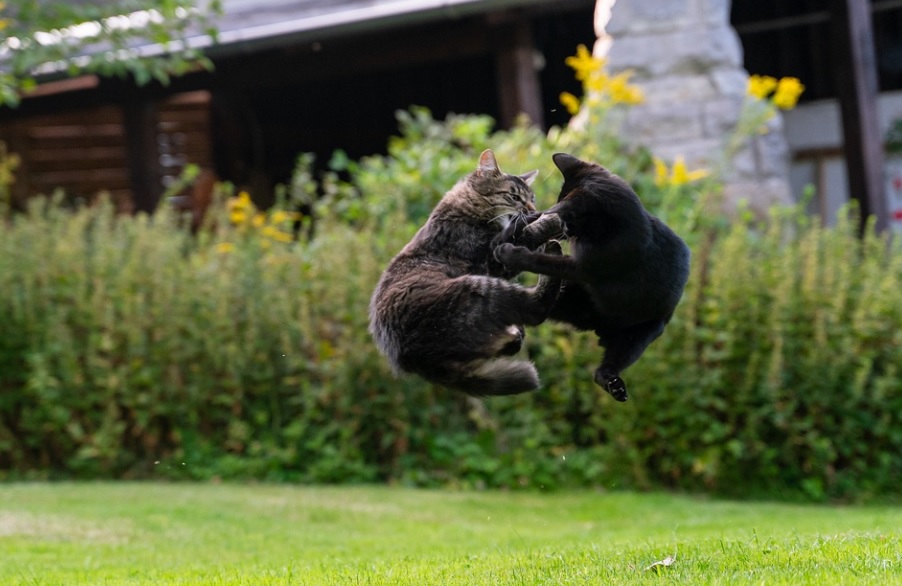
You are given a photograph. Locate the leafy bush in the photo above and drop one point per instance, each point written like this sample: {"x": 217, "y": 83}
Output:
{"x": 133, "y": 349}
{"x": 428, "y": 154}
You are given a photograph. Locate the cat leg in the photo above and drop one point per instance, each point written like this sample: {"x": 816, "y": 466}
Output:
{"x": 515, "y": 227}
{"x": 520, "y": 258}
{"x": 511, "y": 232}
{"x": 548, "y": 288}
{"x": 546, "y": 227}
{"x": 510, "y": 303}
{"x": 497, "y": 334}
{"x": 513, "y": 341}
{"x": 622, "y": 349}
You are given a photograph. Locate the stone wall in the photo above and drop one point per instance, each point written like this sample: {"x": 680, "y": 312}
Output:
{"x": 688, "y": 60}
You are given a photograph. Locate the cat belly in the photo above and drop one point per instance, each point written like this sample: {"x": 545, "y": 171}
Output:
{"x": 575, "y": 307}
{"x": 585, "y": 309}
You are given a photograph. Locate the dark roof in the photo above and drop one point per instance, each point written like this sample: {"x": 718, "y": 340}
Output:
{"x": 252, "y": 25}
{"x": 257, "y": 24}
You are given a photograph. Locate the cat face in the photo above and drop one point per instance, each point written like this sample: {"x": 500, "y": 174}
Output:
{"x": 505, "y": 194}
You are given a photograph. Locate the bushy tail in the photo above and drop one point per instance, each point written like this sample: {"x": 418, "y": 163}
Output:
{"x": 490, "y": 377}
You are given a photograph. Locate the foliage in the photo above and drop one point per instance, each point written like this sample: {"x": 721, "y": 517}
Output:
{"x": 765, "y": 96}
{"x": 9, "y": 162}
{"x": 99, "y": 37}
{"x": 893, "y": 137}
{"x": 244, "y": 355}
{"x": 145, "y": 534}
{"x": 428, "y": 153}
{"x": 127, "y": 343}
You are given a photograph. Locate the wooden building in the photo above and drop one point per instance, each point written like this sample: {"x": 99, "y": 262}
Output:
{"x": 292, "y": 77}
{"x": 848, "y": 53}
{"x": 298, "y": 76}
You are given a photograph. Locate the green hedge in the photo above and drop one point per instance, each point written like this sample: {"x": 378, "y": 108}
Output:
{"x": 131, "y": 349}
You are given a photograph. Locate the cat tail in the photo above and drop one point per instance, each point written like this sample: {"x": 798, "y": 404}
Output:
{"x": 491, "y": 377}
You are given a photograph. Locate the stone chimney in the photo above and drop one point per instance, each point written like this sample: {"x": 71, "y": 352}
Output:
{"x": 687, "y": 59}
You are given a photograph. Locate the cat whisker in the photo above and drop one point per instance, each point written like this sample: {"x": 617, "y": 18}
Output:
{"x": 507, "y": 212}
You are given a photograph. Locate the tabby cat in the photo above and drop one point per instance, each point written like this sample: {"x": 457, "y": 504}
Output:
{"x": 443, "y": 308}
{"x": 626, "y": 272}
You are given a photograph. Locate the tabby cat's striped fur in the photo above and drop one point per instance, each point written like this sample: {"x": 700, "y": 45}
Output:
{"x": 443, "y": 308}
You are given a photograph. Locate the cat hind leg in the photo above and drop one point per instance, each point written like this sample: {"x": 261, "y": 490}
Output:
{"x": 622, "y": 349}
{"x": 495, "y": 377}
{"x": 513, "y": 341}
{"x": 612, "y": 383}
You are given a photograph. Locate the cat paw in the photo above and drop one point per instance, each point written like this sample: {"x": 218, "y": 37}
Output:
{"x": 513, "y": 346}
{"x": 617, "y": 388}
{"x": 518, "y": 223}
{"x": 613, "y": 384}
{"x": 553, "y": 247}
{"x": 507, "y": 253}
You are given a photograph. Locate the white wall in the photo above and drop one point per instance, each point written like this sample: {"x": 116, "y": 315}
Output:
{"x": 814, "y": 134}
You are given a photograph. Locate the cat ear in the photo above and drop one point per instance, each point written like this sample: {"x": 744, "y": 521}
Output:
{"x": 487, "y": 162}
{"x": 566, "y": 163}
{"x": 528, "y": 178}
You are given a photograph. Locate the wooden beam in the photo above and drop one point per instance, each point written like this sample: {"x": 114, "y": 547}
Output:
{"x": 519, "y": 91}
{"x": 856, "y": 81}
{"x": 140, "y": 118}
{"x": 72, "y": 84}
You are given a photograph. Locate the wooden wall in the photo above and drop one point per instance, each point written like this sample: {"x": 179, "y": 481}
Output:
{"x": 84, "y": 152}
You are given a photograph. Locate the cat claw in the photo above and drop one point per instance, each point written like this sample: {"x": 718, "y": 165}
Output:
{"x": 618, "y": 390}
{"x": 553, "y": 247}
{"x": 517, "y": 225}
{"x": 614, "y": 385}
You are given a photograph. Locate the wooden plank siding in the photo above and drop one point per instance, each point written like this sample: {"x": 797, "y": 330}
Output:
{"x": 183, "y": 134}
{"x": 84, "y": 152}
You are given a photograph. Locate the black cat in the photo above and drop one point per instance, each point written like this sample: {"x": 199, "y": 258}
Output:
{"x": 626, "y": 271}
{"x": 443, "y": 308}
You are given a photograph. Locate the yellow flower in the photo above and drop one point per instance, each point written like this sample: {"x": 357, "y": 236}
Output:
{"x": 760, "y": 86}
{"x": 788, "y": 91}
{"x": 240, "y": 208}
{"x": 583, "y": 63}
{"x": 660, "y": 172}
{"x": 237, "y": 216}
{"x": 622, "y": 92}
{"x": 596, "y": 82}
{"x": 243, "y": 201}
{"x": 570, "y": 102}
{"x": 281, "y": 217}
{"x": 680, "y": 175}
{"x": 259, "y": 220}
{"x": 278, "y": 235}
{"x": 225, "y": 247}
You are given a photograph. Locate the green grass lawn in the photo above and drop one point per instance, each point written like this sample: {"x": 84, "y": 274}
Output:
{"x": 124, "y": 533}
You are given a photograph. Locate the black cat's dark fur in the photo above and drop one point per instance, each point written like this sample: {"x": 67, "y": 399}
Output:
{"x": 626, "y": 271}
{"x": 443, "y": 308}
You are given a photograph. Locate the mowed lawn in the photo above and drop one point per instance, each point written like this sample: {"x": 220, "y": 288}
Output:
{"x": 227, "y": 534}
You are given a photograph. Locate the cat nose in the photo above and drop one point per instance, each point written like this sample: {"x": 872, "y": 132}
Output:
{"x": 530, "y": 206}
